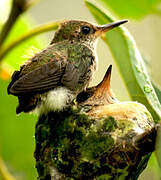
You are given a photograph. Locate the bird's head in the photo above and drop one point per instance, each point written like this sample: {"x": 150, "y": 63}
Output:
{"x": 82, "y": 31}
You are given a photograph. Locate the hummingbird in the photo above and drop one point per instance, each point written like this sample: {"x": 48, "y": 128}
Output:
{"x": 52, "y": 78}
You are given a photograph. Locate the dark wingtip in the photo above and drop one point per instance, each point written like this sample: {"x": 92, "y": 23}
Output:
{"x": 18, "y": 110}
{"x": 9, "y": 87}
{"x": 14, "y": 77}
{"x": 8, "y": 90}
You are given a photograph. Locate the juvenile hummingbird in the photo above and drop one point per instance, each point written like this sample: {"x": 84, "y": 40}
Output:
{"x": 51, "y": 79}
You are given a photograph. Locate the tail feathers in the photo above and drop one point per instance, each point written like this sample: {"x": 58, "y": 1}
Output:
{"x": 27, "y": 103}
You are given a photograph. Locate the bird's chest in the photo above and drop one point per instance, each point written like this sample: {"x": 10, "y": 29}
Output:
{"x": 83, "y": 59}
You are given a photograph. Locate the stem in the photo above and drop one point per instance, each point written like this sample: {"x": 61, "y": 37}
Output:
{"x": 4, "y": 174}
{"x": 33, "y": 32}
{"x": 18, "y": 8}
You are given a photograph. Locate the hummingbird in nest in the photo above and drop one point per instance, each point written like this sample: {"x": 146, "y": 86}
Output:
{"x": 52, "y": 78}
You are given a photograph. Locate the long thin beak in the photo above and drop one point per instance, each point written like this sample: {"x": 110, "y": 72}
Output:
{"x": 104, "y": 28}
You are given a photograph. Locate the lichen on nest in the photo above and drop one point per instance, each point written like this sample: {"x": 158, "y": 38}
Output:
{"x": 94, "y": 140}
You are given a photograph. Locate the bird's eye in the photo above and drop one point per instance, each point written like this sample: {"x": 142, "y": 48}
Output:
{"x": 85, "y": 29}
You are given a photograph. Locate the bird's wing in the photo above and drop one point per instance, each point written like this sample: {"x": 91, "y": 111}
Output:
{"x": 71, "y": 77}
{"x": 56, "y": 71}
{"x": 47, "y": 77}
{"x": 41, "y": 79}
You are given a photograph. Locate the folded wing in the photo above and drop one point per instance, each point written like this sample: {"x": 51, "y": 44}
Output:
{"x": 44, "y": 78}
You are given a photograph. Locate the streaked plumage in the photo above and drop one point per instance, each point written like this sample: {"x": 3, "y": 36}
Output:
{"x": 65, "y": 66}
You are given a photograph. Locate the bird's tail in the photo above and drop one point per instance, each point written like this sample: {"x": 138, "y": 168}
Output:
{"x": 27, "y": 103}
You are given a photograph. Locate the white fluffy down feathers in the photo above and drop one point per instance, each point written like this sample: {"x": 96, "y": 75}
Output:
{"x": 55, "y": 100}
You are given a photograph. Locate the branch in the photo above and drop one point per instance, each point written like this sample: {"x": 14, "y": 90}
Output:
{"x": 18, "y": 8}
{"x": 29, "y": 34}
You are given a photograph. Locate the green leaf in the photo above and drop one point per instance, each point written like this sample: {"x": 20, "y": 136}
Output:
{"x": 131, "y": 9}
{"x": 157, "y": 90}
{"x": 154, "y": 168}
{"x": 158, "y": 148}
{"x": 129, "y": 61}
{"x": 17, "y": 141}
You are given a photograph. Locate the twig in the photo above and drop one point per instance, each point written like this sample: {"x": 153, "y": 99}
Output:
{"x": 33, "y": 32}
{"x": 4, "y": 174}
{"x": 18, "y": 8}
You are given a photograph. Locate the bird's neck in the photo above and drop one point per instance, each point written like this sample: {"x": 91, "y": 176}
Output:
{"x": 88, "y": 43}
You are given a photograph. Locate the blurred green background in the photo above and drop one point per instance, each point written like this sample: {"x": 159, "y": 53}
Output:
{"x": 17, "y": 132}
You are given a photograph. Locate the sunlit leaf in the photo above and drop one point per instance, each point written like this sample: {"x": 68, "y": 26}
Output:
{"x": 129, "y": 61}
{"x": 131, "y": 9}
{"x": 157, "y": 90}
{"x": 5, "y": 6}
{"x": 158, "y": 147}
{"x": 154, "y": 166}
